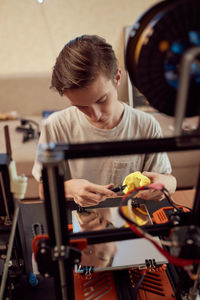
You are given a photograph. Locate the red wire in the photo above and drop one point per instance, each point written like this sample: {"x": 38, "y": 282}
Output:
{"x": 177, "y": 261}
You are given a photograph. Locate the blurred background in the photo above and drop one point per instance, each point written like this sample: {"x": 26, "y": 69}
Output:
{"x": 33, "y": 32}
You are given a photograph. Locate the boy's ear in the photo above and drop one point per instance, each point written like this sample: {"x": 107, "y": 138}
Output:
{"x": 118, "y": 77}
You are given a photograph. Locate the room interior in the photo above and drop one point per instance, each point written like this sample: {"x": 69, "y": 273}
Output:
{"x": 32, "y": 34}
{"x": 31, "y": 43}
{"x": 28, "y": 56}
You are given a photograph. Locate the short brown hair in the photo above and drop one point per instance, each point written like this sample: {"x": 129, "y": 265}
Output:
{"x": 81, "y": 61}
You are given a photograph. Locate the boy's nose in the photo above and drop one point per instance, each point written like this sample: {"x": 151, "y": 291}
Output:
{"x": 95, "y": 113}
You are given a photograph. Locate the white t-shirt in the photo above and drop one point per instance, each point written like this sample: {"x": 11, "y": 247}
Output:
{"x": 71, "y": 126}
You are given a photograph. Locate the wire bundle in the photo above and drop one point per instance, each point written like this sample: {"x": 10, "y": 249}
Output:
{"x": 177, "y": 261}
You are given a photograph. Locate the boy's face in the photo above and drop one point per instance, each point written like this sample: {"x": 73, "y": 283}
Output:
{"x": 98, "y": 101}
{"x": 98, "y": 255}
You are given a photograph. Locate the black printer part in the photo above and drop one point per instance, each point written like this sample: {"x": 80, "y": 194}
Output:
{"x": 29, "y": 132}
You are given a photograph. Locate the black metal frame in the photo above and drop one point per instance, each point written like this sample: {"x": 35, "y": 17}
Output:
{"x": 54, "y": 154}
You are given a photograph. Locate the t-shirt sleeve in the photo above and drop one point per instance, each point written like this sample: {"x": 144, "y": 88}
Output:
{"x": 45, "y": 137}
{"x": 157, "y": 162}
{"x": 48, "y": 134}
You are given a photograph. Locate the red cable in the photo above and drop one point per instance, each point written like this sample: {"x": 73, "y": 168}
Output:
{"x": 177, "y": 261}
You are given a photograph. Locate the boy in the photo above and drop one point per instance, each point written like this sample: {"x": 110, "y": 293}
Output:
{"x": 86, "y": 72}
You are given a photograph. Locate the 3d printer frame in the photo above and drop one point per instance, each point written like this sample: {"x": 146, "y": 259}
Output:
{"x": 52, "y": 155}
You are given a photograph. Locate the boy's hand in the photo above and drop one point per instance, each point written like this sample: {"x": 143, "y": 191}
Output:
{"x": 86, "y": 193}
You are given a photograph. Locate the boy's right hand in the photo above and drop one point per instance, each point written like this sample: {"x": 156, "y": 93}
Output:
{"x": 86, "y": 193}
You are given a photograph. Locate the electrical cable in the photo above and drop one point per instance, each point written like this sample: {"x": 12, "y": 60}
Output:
{"x": 177, "y": 261}
{"x": 183, "y": 206}
{"x": 169, "y": 199}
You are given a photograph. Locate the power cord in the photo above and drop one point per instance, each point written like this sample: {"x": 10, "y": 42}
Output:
{"x": 27, "y": 129}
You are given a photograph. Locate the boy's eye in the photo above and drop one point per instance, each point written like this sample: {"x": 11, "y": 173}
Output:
{"x": 102, "y": 100}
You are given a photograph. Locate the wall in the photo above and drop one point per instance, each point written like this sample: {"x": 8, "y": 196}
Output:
{"x": 33, "y": 34}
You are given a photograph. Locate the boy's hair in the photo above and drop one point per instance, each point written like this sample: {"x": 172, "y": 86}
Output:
{"x": 81, "y": 61}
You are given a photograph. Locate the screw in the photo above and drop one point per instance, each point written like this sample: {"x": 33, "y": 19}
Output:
{"x": 189, "y": 241}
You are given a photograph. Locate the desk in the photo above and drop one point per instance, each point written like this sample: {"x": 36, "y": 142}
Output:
{"x": 22, "y": 153}
{"x": 184, "y": 197}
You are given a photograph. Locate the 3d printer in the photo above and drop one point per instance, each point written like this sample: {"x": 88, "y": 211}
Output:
{"x": 163, "y": 63}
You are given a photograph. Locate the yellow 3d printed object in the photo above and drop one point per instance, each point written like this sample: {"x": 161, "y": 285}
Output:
{"x": 135, "y": 180}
